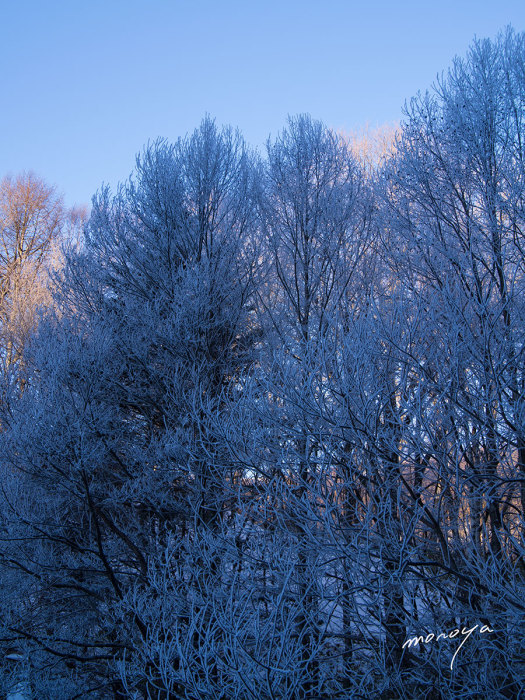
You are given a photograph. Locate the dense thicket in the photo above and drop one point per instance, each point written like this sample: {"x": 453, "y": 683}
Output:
{"x": 274, "y": 428}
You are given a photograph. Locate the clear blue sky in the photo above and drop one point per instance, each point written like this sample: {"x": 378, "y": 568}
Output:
{"x": 86, "y": 83}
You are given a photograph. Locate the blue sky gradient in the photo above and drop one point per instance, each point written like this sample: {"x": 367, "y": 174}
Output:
{"x": 86, "y": 84}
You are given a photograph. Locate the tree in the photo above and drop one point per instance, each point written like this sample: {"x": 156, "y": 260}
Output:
{"x": 270, "y": 442}
{"x": 31, "y": 219}
{"x": 455, "y": 194}
{"x": 371, "y": 146}
{"x": 110, "y": 440}
{"x": 316, "y": 219}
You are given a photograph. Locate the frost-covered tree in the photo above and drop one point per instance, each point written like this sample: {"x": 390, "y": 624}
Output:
{"x": 109, "y": 455}
{"x": 273, "y": 427}
{"x": 455, "y": 192}
{"x": 316, "y": 220}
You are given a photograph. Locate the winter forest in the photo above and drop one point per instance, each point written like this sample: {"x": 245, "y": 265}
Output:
{"x": 262, "y": 416}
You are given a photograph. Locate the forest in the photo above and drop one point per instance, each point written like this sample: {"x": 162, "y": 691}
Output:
{"x": 262, "y": 417}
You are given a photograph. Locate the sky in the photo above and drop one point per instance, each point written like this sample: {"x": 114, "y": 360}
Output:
{"x": 86, "y": 83}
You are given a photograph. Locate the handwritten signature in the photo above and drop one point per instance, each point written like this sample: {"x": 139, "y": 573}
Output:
{"x": 414, "y": 641}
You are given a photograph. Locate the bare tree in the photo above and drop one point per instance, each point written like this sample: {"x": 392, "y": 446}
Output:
{"x": 455, "y": 190}
{"x": 316, "y": 216}
{"x": 372, "y": 145}
{"x": 31, "y": 218}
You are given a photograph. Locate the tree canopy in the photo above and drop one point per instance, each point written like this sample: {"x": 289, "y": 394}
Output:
{"x": 270, "y": 437}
